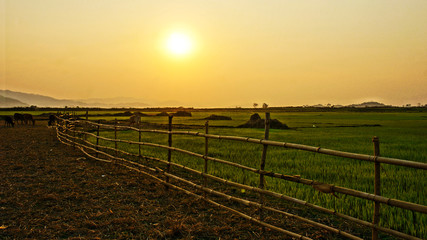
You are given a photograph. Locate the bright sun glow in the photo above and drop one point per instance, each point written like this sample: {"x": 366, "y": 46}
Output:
{"x": 179, "y": 44}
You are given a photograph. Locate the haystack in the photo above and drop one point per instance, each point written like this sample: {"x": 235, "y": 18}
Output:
{"x": 162, "y": 114}
{"x": 127, "y": 113}
{"x": 140, "y": 114}
{"x": 217, "y": 117}
{"x": 182, "y": 114}
{"x": 257, "y": 122}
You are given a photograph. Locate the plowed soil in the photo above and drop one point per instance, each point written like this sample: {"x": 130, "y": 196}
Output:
{"x": 49, "y": 190}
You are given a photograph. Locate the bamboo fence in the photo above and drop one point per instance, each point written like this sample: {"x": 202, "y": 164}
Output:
{"x": 78, "y": 139}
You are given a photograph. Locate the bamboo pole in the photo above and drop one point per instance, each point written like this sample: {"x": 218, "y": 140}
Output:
{"x": 377, "y": 188}
{"x": 262, "y": 165}
{"x": 97, "y": 135}
{"x": 115, "y": 135}
{"x": 80, "y": 146}
{"x": 356, "y": 156}
{"x": 228, "y": 197}
{"x": 84, "y": 126}
{"x": 284, "y": 197}
{"x": 393, "y": 232}
{"x": 258, "y": 190}
{"x": 206, "y": 152}
{"x": 208, "y": 200}
{"x": 292, "y": 234}
{"x": 342, "y": 190}
{"x": 139, "y": 140}
{"x": 74, "y": 132}
{"x": 170, "y": 117}
{"x": 363, "y": 157}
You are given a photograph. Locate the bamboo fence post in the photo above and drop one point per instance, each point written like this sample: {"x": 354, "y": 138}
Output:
{"x": 115, "y": 135}
{"x": 206, "y": 152}
{"x": 85, "y": 125}
{"x": 263, "y": 158}
{"x": 97, "y": 139}
{"x": 139, "y": 140}
{"x": 377, "y": 187}
{"x": 170, "y": 145}
{"x": 74, "y": 134}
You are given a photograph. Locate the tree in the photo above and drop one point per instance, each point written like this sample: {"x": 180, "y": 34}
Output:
{"x": 264, "y": 105}
{"x": 255, "y": 105}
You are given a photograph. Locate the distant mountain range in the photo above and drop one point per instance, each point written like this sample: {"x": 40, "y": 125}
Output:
{"x": 368, "y": 104}
{"x": 18, "y": 99}
{"x": 361, "y": 105}
{"x": 11, "y": 102}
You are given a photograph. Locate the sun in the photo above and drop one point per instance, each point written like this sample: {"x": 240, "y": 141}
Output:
{"x": 179, "y": 44}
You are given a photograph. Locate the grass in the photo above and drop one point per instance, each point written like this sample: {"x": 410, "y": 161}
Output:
{"x": 402, "y": 135}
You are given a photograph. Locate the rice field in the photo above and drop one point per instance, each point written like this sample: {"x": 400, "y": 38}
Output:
{"x": 402, "y": 135}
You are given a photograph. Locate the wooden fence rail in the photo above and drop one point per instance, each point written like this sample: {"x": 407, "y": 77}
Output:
{"x": 356, "y": 156}
{"x": 64, "y": 129}
{"x": 297, "y": 179}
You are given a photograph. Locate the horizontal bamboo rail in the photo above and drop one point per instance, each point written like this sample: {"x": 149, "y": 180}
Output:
{"x": 273, "y": 194}
{"x": 342, "y": 190}
{"x": 287, "y": 198}
{"x": 255, "y": 204}
{"x": 289, "y": 233}
{"x": 356, "y": 156}
{"x": 106, "y": 154}
{"x": 332, "y": 188}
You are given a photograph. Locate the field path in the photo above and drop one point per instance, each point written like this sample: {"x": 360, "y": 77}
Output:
{"x": 49, "y": 191}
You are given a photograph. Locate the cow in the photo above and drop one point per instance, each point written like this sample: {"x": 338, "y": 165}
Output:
{"x": 65, "y": 116}
{"x": 18, "y": 117}
{"x": 28, "y": 118}
{"x": 8, "y": 121}
{"x": 135, "y": 119}
{"x": 52, "y": 119}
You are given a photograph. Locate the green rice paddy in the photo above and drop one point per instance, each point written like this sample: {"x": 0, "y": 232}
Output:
{"x": 402, "y": 135}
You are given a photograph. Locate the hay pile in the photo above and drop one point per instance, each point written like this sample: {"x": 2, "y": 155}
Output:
{"x": 140, "y": 114}
{"x": 127, "y": 113}
{"x": 162, "y": 114}
{"x": 257, "y": 122}
{"x": 182, "y": 114}
{"x": 217, "y": 117}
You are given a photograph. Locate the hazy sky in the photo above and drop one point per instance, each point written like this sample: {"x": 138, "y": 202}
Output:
{"x": 279, "y": 52}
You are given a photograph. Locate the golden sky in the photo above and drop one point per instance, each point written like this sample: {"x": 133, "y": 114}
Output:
{"x": 244, "y": 51}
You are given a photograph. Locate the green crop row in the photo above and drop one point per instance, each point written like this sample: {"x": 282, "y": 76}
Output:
{"x": 402, "y": 135}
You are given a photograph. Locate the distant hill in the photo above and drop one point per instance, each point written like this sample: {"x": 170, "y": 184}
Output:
{"x": 11, "y": 102}
{"x": 117, "y": 102}
{"x": 19, "y": 99}
{"x": 361, "y": 105}
{"x": 38, "y": 100}
{"x": 368, "y": 104}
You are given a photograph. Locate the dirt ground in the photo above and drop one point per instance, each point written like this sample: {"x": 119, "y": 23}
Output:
{"x": 50, "y": 191}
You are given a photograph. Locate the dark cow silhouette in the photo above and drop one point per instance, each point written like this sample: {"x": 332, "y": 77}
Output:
{"x": 19, "y": 117}
{"x": 8, "y": 121}
{"x": 52, "y": 119}
{"x": 28, "y": 118}
{"x": 65, "y": 116}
